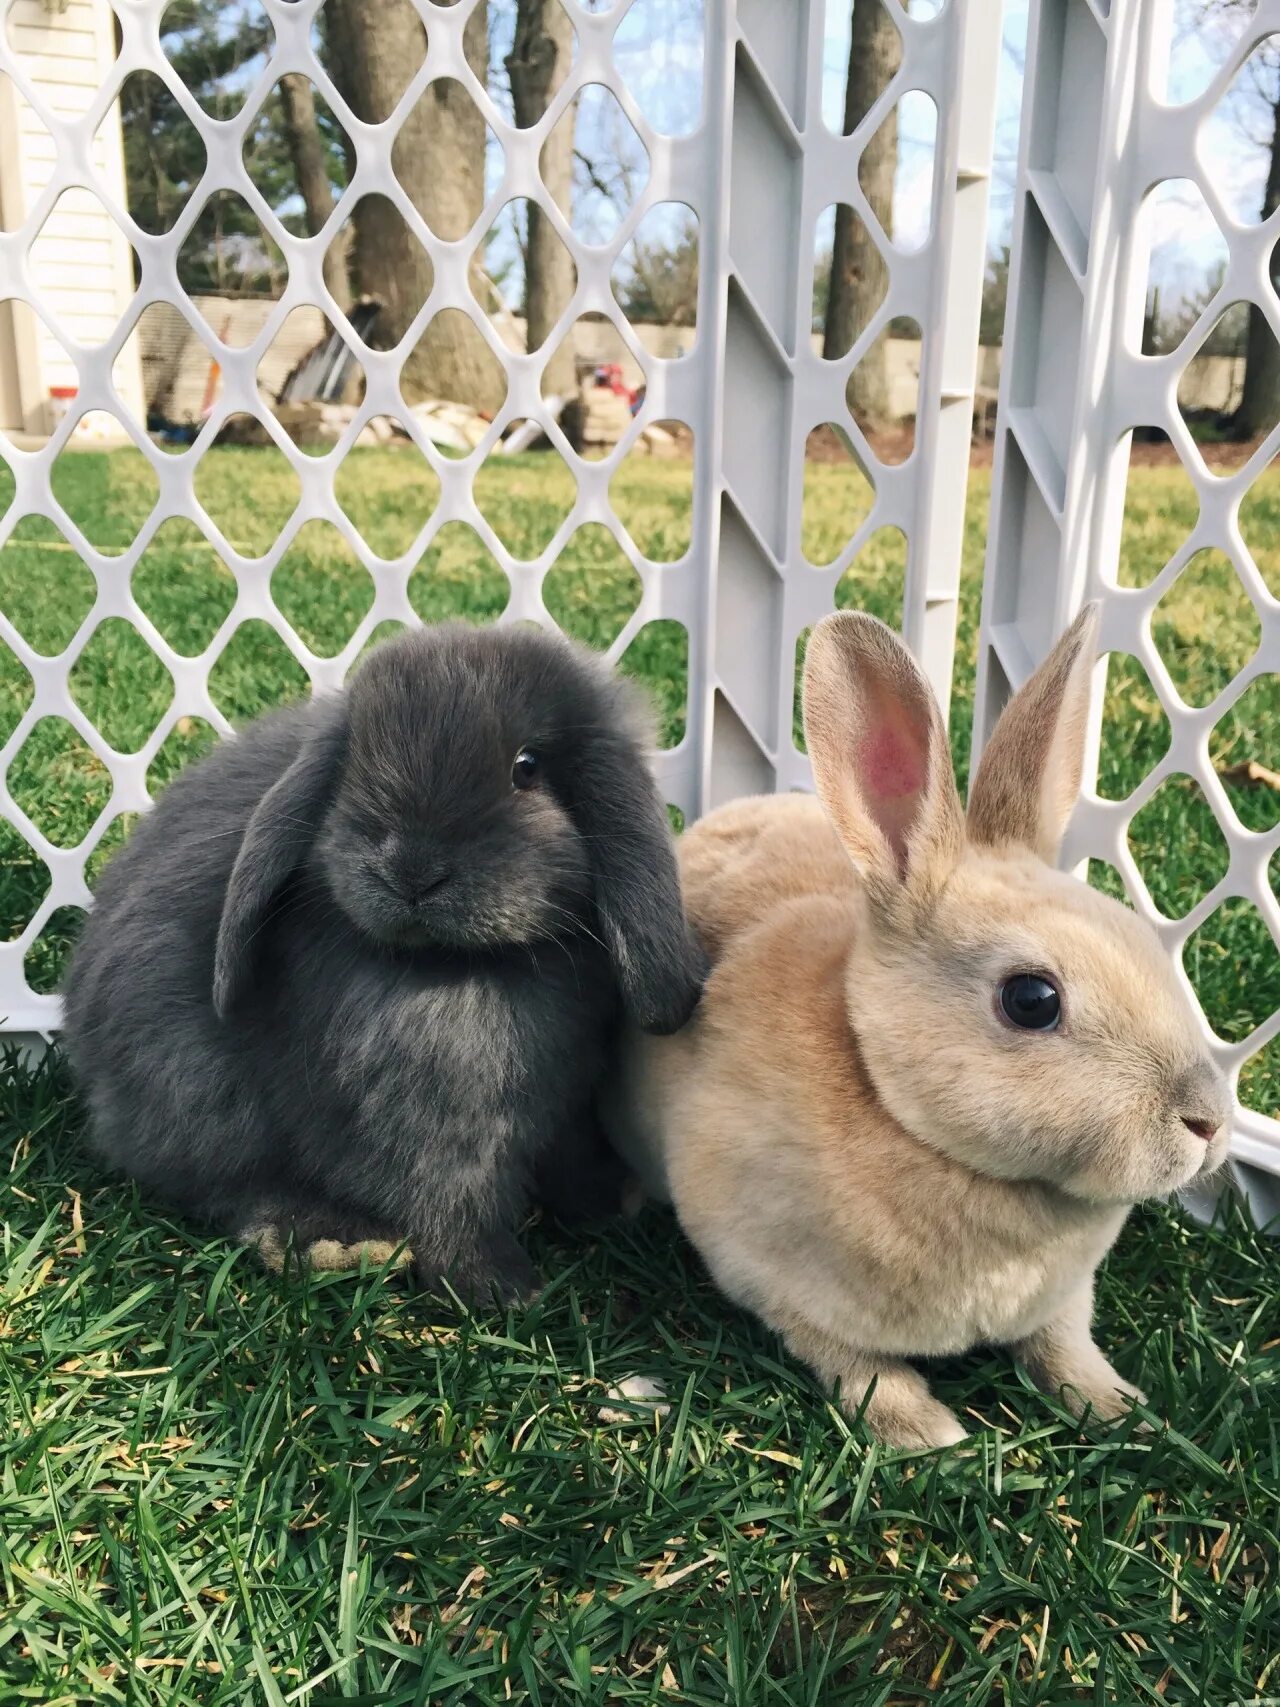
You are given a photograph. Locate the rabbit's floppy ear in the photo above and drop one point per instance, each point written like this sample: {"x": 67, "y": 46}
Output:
{"x": 275, "y": 842}
{"x": 621, "y": 816}
{"x": 1029, "y": 777}
{"x": 880, "y": 757}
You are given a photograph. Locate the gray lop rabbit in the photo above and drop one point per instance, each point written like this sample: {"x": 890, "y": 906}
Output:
{"x": 354, "y": 979}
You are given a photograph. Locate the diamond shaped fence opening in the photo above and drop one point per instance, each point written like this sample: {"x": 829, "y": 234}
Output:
{"x": 1244, "y": 749}
{"x": 1205, "y": 628}
{"x": 1260, "y": 528}
{"x": 248, "y": 488}
{"x": 59, "y": 782}
{"x": 458, "y": 579}
{"x": 1173, "y": 217}
{"x": 188, "y": 740}
{"x": 183, "y": 587}
{"x": 24, "y": 883}
{"x": 655, "y": 277}
{"x": 218, "y": 65}
{"x": 1178, "y": 847}
{"x": 309, "y": 362}
{"x": 402, "y": 46}
{"x": 864, "y": 46}
{"x": 45, "y": 589}
{"x": 1225, "y": 420}
{"x": 46, "y": 960}
{"x": 839, "y": 494}
{"x": 501, "y": 270}
{"x": 107, "y": 494}
{"x": 116, "y": 653}
{"x": 845, "y": 299}
{"x": 1256, "y": 80}
{"x": 876, "y": 579}
{"x": 450, "y": 202}
{"x": 1161, "y": 507}
{"x": 659, "y": 653}
{"x": 652, "y": 492}
{"x": 525, "y": 500}
{"x": 401, "y": 267}
{"x": 452, "y": 358}
{"x": 147, "y": 355}
{"x": 301, "y": 183}
{"x": 884, "y": 391}
{"x": 81, "y": 318}
{"x": 593, "y": 589}
{"x": 386, "y": 487}
{"x": 908, "y": 135}
{"x": 322, "y": 589}
{"x": 254, "y": 672}
{"x": 659, "y": 51}
{"x": 1234, "y": 938}
{"x": 1136, "y": 733}
{"x": 20, "y": 196}
{"x": 601, "y": 131}
{"x": 1195, "y": 56}
{"x": 538, "y": 61}
{"x": 160, "y": 190}
{"x": 227, "y": 252}
{"x": 17, "y": 691}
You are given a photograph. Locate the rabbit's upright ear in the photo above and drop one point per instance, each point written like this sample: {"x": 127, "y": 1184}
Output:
{"x": 620, "y": 814}
{"x": 1029, "y": 777}
{"x": 275, "y": 842}
{"x": 880, "y": 757}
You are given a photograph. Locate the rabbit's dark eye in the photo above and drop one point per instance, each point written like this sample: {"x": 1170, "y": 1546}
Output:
{"x": 1030, "y": 1002}
{"x": 524, "y": 772}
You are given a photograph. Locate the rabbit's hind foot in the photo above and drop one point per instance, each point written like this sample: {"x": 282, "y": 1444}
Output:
{"x": 321, "y": 1236}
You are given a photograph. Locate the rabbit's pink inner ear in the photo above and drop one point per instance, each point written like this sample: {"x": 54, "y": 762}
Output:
{"x": 892, "y": 760}
{"x": 880, "y": 758}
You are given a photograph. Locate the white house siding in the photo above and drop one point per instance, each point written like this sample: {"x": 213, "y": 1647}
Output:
{"x": 80, "y": 262}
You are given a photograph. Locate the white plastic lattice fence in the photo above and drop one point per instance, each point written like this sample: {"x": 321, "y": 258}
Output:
{"x": 757, "y": 172}
{"x": 1075, "y": 387}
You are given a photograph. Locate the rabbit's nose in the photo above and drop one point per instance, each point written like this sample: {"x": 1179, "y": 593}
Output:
{"x": 420, "y": 885}
{"x": 1202, "y": 1102}
{"x": 1205, "y": 1129}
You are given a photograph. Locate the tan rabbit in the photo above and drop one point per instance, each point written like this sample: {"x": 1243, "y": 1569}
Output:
{"x": 930, "y": 1073}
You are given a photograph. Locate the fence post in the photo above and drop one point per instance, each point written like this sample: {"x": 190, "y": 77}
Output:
{"x": 1096, "y": 137}
{"x": 783, "y": 168}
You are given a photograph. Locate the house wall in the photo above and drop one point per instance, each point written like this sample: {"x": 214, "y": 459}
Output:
{"x": 80, "y": 261}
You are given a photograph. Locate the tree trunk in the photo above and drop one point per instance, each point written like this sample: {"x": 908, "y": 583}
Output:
{"x": 1260, "y": 401}
{"x": 298, "y": 109}
{"x": 438, "y": 157}
{"x": 538, "y": 63}
{"x": 858, "y": 272}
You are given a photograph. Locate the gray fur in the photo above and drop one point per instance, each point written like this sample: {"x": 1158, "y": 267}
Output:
{"x": 276, "y": 1023}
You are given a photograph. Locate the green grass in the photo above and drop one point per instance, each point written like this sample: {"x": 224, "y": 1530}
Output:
{"x": 217, "y": 1486}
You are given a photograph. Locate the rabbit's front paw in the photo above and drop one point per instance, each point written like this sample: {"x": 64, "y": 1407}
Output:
{"x": 497, "y": 1273}
{"x": 924, "y": 1427}
{"x": 1104, "y": 1393}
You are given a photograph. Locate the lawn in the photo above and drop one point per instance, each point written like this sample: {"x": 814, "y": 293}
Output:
{"x": 218, "y": 1486}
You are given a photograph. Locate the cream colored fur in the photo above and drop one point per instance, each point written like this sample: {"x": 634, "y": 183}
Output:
{"x": 865, "y": 1152}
